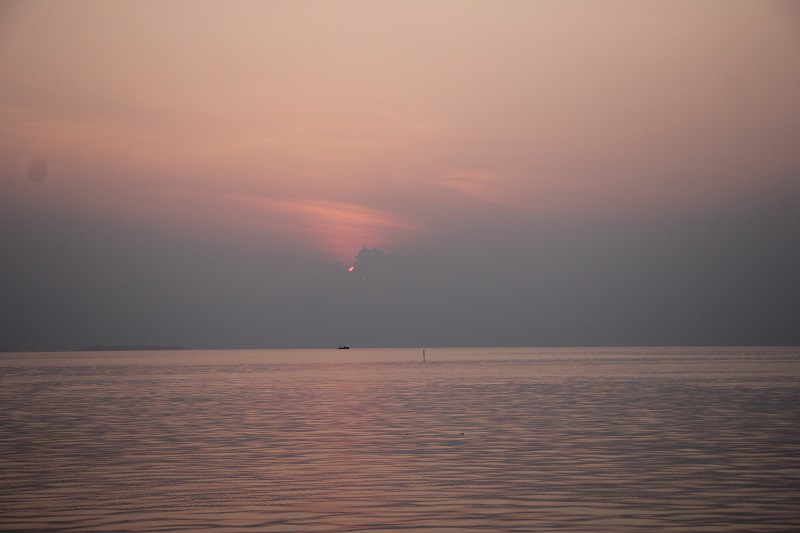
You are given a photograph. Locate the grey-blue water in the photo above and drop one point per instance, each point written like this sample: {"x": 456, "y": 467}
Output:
{"x": 514, "y": 439}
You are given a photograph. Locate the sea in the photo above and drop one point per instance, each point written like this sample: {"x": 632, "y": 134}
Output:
{"x": 367, "y": 440}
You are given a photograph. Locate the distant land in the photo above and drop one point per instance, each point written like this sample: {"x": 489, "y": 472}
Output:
{"x": 124, "y": 348}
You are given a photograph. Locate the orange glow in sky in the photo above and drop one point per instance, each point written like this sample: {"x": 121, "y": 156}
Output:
{"x": 335, "y": 125}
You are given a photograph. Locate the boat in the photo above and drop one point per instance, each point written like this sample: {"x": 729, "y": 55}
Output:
{"x": 343, "y": 347}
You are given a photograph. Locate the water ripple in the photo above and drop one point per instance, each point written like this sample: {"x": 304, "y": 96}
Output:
{"x": 473, "y": 440}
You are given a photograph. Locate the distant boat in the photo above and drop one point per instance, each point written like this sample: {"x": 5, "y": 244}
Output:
{"x": 343, "y": 347}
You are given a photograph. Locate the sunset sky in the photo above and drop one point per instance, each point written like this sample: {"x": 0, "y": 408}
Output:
{"x": 203, "y": 173}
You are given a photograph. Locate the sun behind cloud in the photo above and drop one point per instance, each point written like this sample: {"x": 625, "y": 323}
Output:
{"x": 330, "y": 227}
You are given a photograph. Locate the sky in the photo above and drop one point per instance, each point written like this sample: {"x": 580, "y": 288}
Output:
{"x": 249, "y": 174}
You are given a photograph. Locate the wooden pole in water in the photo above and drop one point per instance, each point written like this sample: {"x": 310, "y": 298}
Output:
{"x": 423, "y": 355}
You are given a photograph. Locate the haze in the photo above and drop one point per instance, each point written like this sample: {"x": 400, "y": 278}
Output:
{"x": 508, "y": 173}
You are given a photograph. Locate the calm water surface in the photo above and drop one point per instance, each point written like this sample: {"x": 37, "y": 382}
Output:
{"x": 514, "y": 439}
